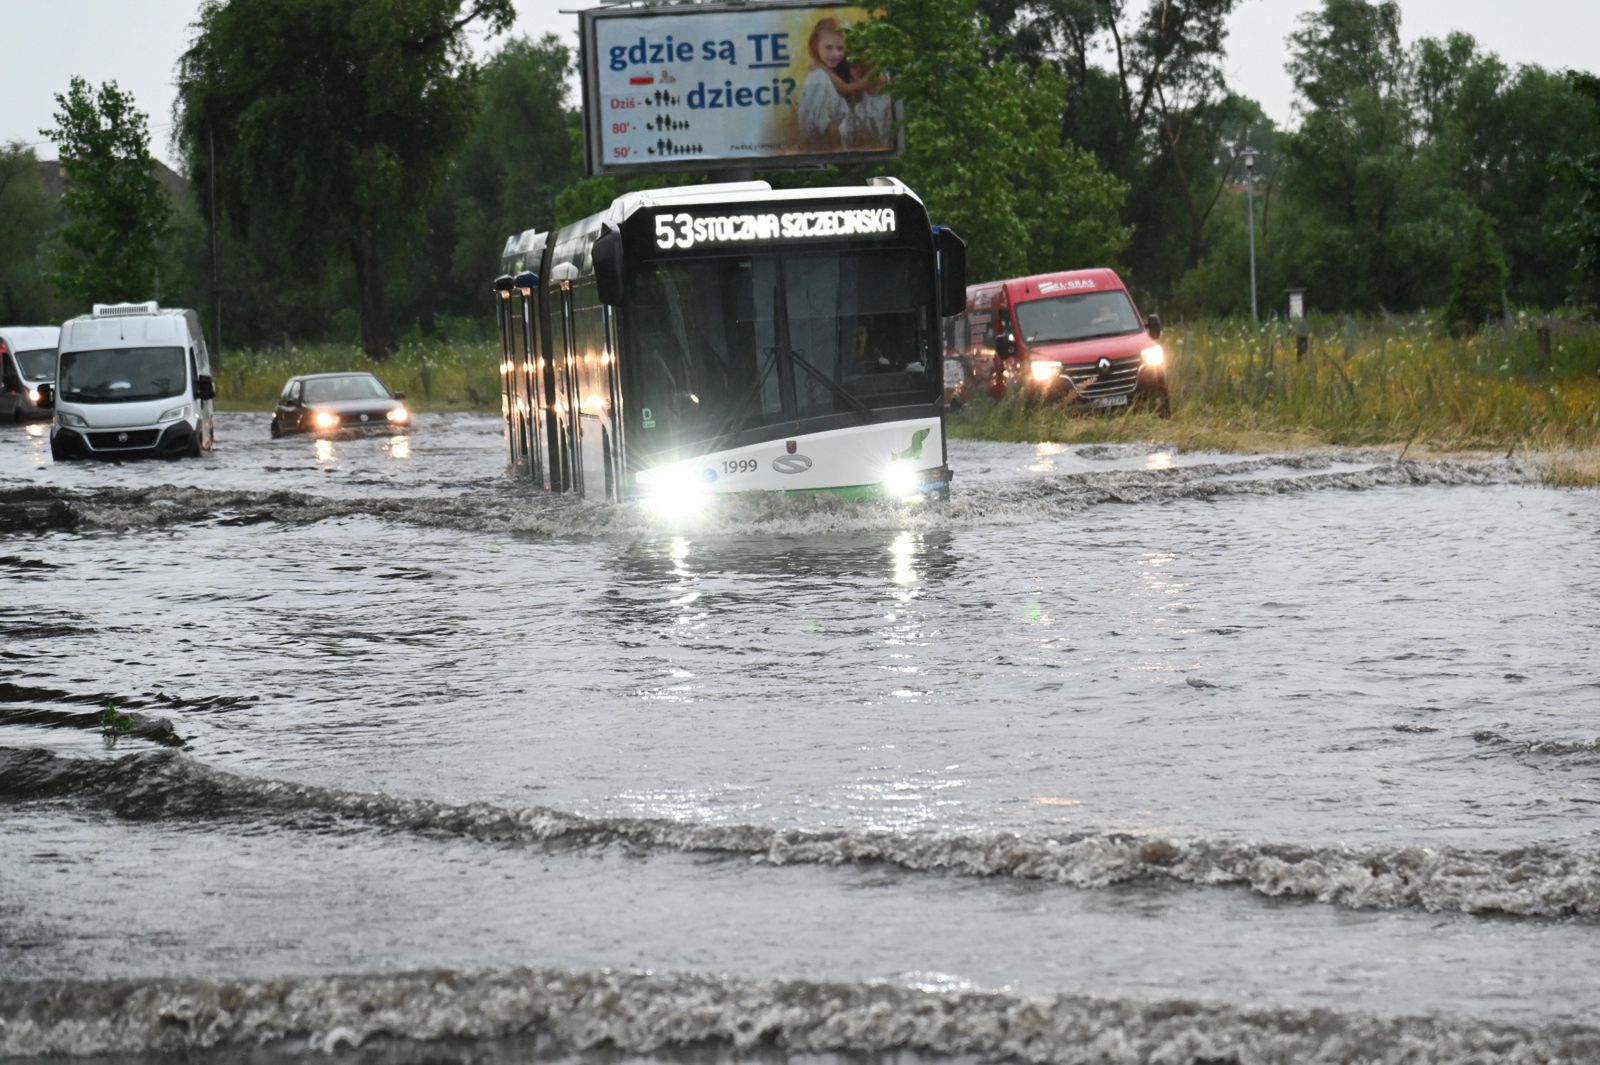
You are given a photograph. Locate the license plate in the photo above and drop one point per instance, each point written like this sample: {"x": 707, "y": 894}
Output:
{"x": 1109, "y": 401}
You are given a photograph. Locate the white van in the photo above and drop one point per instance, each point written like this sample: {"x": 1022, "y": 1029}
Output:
{"x": 27, "y": 360}
{"x": 132, "y": 379}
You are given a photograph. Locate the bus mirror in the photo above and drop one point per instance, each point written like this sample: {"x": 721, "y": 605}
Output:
{"x": 607, "y": 257}
{"x": 952, "y": 251}
{"x": 502, "y": 286}
{"x": 526, "y": 282}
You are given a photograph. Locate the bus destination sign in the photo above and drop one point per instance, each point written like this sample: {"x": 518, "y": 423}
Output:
{"x": 682, "y": 230}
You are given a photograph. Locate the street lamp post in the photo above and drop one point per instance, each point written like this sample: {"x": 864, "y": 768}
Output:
{"x": 1249, "y": 155}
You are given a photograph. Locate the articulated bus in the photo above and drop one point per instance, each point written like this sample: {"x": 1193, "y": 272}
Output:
{"x": 723, "y": 338}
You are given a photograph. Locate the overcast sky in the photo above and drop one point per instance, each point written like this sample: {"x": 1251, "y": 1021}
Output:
{"x": 136, "y": 43}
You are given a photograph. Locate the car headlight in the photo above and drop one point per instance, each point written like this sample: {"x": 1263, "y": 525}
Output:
{"x": 1153, "y": 355}
{"x": 399, "y": 415}
{"x": 172, "y": 414}
{"x": 1046, "y": 371}
{"x": 67, "y": 418}
{"x": 325, "y": 419}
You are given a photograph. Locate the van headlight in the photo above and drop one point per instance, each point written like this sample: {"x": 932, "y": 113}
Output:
{"x": 1046, "y": 371}
{"x": 1153, "y": 355}
{"x": 33, "y": 395}
{"x": 71, "y": 420}
{"x": 172, "y": 414}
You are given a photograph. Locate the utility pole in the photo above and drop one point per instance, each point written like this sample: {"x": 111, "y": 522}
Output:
{"x": 1249, "y": 155}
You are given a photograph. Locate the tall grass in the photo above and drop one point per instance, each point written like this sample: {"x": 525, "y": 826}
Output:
{"x": 434, "y": 375}
{"x": 1355, "y": 383}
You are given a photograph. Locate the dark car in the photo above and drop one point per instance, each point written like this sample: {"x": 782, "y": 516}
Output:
{"x": 328, "y": 403}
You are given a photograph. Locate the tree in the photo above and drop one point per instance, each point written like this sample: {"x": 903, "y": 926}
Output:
{"x": 1585, "y": 170}
{"x": 1477, "y": 288}
{"x": 332, "y": 122}
{"x": 1146, "y": 96}
{"x": 984, "y": 146}
{"x": 111, "y": 245}
{"x": 24, "y": 296}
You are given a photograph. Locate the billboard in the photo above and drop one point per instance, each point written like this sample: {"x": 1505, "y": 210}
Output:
{"x": 709, "y": 86}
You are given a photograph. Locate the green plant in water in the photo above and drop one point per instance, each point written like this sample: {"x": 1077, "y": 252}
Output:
{"x": 113, "y": 722}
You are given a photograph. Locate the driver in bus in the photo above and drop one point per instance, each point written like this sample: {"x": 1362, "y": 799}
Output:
{"x": 867, "y": 357}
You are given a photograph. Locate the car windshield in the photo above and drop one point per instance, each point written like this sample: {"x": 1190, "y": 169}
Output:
{"x": 344, "y": 389}
{"x": 1081, "y": 316}
{"x": 122, "y": 375}
{"x": 37, "y": 364}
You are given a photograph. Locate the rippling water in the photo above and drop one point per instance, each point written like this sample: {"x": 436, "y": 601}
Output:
{"x": 1124, "y": 754}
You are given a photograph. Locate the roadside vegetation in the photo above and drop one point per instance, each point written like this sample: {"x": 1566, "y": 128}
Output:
{"x": 1399, "y": 384}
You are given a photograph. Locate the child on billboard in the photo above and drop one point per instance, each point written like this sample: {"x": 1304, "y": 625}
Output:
{"x": 841, "y": 110}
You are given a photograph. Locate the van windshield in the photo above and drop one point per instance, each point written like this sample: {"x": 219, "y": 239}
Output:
{"x": 122, "y": 375}
{"x": 1081, "y": 316}
{"x": 37, "y": 364}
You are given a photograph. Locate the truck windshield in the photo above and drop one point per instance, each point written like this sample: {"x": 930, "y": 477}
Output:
{"x": 1082, "y": 316}
{"x": 721, "y": 345}
{"x": 37, "y": 364}
{"x": 122, "y": 375}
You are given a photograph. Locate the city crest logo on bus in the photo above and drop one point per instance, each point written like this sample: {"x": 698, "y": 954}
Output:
{"x": 791, "y": 464}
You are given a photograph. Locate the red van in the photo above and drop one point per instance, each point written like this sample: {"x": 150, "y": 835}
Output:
{"x": 1072, "y": 337}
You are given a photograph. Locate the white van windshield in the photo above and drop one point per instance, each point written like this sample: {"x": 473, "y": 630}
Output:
{"x": 122, "y": 375}
{"x": 37, "y": 364}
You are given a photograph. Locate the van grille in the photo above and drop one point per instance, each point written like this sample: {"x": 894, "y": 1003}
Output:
{"x": 1092, "y": 383}
{"x": 136, "y": 438}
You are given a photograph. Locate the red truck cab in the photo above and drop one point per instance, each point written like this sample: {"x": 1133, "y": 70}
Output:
{"x": 1071, "y": 337}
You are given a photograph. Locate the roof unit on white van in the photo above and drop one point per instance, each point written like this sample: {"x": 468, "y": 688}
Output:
{"x": 116, "y": 310}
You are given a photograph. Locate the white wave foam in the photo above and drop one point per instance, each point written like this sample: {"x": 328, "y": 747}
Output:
{"x": 659, "y": 1012}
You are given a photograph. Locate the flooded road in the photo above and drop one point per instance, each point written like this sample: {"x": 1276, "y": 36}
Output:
{"x": 1123, "y": 754}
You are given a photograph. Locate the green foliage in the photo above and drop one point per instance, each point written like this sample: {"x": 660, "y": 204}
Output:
{"x": 983, "y": 144}
{"x": 435, "y": 375}
{"x": 112, "y": 244}
{"x": 1585, "y": 173}
{"x": 331, "y": 121}
{"x": 113, "y": 722}
{"x": 1477, "y": 289}
{"x": 24, "y": 296}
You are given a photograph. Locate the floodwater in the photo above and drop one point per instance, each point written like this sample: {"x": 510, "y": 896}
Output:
{"x": 1122, "y": 755}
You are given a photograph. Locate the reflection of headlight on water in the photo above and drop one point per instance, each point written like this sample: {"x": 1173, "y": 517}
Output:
{"x": 674, "y": 491}
{"x": 900, "y": 480}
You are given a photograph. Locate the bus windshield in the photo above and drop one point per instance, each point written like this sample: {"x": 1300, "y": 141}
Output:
{"x": 1083, "y": 316}
{"x": 719, "y": 346}
{"x": 122, "y": 375}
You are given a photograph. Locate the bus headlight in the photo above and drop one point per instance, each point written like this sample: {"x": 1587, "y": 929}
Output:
{"x": 325, "y": 419}
{"x": 900, "y": 480}
{"x": 1046, "y": 371}
{"x": 1153, "y": 355}
{"x": 674, "y": 491}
